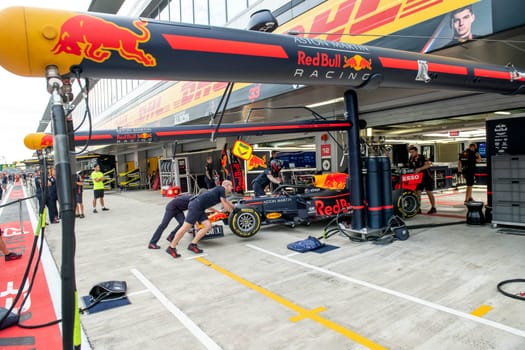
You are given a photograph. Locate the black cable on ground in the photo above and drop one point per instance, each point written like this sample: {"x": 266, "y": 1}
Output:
{"x": 28, "y": 326}
{"x": 512, "y": 232}
{"x": 95, "y": 302}
{"x": 437, "y": 225}
{"x": 514, "y": 296}
{"x": 329, "y": 231}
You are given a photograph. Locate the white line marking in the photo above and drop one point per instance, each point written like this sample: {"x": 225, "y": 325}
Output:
{"x": 515, "y": 331}
{"x": 144, "y": 291}
{"x": 195, "y": 257}
{"x": 202, "y": 337}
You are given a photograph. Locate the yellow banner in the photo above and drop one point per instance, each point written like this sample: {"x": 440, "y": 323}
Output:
{"x": 352, "y": 21}
{"x": 361, "y": 21}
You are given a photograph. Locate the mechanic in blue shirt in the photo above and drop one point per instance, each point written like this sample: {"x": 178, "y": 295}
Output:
{"x": 174, "y": 209}
{"x": 197, "y": 212}
{"x": 270, "y": 174}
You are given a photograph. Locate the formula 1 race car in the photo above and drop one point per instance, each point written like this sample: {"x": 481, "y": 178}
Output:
{"x": 303, "y": 204}
{"x": 289, "y": 205}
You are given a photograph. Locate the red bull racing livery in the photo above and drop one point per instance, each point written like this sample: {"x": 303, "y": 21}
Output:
{"x": 289, "y": 205}
{"x": 327, "y": 197}
{"x": 107, "y": 46}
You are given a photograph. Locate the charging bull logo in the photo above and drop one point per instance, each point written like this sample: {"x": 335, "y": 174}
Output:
{"x": 357, "y": 63}
{"x": 332, "y": 181}
{"x": 256, "y": 162}
{"x": 95, "y": 39}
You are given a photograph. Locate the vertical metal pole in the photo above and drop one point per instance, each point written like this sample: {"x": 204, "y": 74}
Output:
{"x": 209, "y": 14}
{"x": 354, "y": 162}
{"x": 67, "y": 211}
{"x": 77, "y": 334}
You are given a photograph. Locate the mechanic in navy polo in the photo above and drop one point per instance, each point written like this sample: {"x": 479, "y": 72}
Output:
{"x": 270, "y": 174}
{"x": 197, "y": 213}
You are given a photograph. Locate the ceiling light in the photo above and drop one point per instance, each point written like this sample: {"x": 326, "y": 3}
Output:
{"x": 325, "y": 103}
{"x": 502, "y": 113}
{"x": 431, "y": 134}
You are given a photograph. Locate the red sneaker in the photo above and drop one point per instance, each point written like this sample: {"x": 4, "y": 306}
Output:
{"x": 195, "y": 248}
{"x": 173, "y": 252}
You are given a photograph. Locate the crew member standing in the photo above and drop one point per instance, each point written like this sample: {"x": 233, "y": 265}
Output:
{"x": 209, "y": 173}
{"x": 79, "y": 209}
{"x": 467, "y": 166}
{"x": 98, "y": 188}
{"x": 422, "y": 165}
{"x": 52, "y": 197}
{"x": 38, "y": 191}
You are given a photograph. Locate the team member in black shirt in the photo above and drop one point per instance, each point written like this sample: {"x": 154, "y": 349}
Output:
{"x": 196, "y": 212}
{"x": 209, "y": 173}
{"x": 269, "y": 175}
{"x": 420, "y": 164}
{"x": 467, "y": 166}
{"x": 174, "y": 209}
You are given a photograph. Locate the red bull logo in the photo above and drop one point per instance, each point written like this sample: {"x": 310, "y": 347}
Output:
{"x": 95, "y": 39}
{"x": 256, "y": 162}
{"x": 145, "y": 136}
{"x": 357, "y": 63}
{"x": 333, "y": 181}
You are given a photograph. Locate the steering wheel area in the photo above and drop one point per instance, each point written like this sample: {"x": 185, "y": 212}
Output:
{"x": 284, "y": 190}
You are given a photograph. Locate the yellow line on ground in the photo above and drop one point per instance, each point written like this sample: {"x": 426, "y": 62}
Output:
{"x": 481, "y": 311}
{"x": 302, "y": 312}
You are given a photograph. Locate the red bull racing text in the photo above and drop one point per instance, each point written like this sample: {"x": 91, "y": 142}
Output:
{"x": 332, "y": 206}
{"x": 340, "y": 66}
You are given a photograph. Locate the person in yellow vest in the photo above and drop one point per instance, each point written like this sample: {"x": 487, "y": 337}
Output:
{"x": 98, "y": 188}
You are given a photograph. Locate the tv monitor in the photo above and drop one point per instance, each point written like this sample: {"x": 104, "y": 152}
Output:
{"x": 482, "y": 149}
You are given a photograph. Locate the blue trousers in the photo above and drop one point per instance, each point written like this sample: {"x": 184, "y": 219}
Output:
{"x": 168, "y": 215}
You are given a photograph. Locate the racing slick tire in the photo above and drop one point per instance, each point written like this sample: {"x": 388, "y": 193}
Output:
{"x": 406, "y": 204}
{"x": 245, "y": 222}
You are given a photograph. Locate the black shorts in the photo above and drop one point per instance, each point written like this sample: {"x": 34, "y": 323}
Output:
{"x": 195, "y": 214}
{"x": 469, "y": 177}
{"x": 98, "y": 193}
{"x": 78, "y": 198}
{"x": 426, "y": 184}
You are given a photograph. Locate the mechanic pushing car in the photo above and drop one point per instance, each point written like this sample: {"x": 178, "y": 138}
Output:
{"x": 269, "y": 175}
